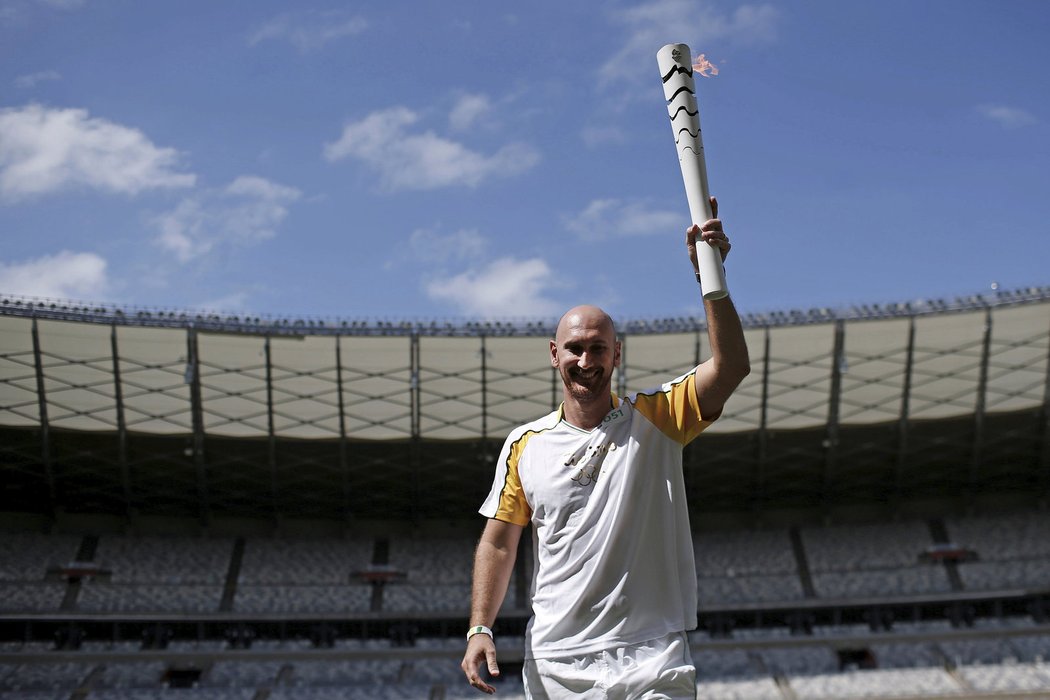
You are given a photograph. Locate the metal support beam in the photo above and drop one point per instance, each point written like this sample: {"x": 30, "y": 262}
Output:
{"x": 193, "y": 376}
{"x": 122, "y": 427}
{"x": 484, "y": 392}
{"x": 344, "y": 462}
{"x": 1044, "y": 442}
{"x": 762, "y": 438}
{"x": 621, "y": 376}
{"x": 980, "y": 408}
{"x": 831, "y": 435}
{"x": 271, "y": 437}
{"x": 904, "y": 420}
{"x": 554, "y": 388}
{"x": 45, "y": 426}
{"x": 415, "y": 448}
{"x": 415, "y": 410}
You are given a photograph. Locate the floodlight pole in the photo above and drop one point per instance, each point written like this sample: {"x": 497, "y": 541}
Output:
{"x": 45, "y": 426}
{"x": 122, "y": 427}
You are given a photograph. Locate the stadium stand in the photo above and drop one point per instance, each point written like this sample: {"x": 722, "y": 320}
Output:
{"x": 746, "y": 566}
{"x": 883, "y": 683}
{"x": 303, "y": 575}
{"x": 25, "y": 560}
{"x": 1013, "y": 551}
{"x": 871, "y": 509}
{"x": 31, "y": 597}
{"x": 872, "y": 560}
{"x": 740, "y": 689}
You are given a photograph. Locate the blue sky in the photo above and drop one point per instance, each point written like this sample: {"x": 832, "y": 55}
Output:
{"x": 424, "y": 159}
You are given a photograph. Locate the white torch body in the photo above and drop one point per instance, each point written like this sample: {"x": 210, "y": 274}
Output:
{"x": 676, "y": 69}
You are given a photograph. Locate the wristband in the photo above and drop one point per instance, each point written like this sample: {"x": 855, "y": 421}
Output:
{"x": 478, "y": 629}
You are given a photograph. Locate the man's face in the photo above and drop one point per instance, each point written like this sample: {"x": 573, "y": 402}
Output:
{"x": 585, "y": 351}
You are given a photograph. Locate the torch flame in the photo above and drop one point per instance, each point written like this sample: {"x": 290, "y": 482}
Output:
{"x": 704, "y": 67}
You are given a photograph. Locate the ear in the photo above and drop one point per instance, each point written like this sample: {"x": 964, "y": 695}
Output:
{"x": 554, "y": 354}
{"x": 616, "y": 354}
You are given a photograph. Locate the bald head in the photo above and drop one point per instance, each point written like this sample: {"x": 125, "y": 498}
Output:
{"x": 585, "y": 353}
{"x": 585, "y": 317}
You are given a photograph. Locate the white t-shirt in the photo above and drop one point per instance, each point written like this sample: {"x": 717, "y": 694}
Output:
{"x": 611, "y": 530}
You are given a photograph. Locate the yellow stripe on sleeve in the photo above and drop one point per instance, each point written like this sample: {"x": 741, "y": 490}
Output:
{"x": 513, "y": 507}
{"x": 674, "y": 409}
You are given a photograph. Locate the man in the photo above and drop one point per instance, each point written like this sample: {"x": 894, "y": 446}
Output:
{"x": 600, "y": 480}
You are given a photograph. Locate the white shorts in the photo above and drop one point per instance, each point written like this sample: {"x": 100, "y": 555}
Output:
{"x": 660, "y": 669}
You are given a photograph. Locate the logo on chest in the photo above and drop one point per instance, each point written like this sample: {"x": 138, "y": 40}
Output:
{"x": 590, "y": 461}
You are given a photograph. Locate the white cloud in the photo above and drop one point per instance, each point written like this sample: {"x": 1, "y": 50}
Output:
{"x": 31, "y": 80}
{"x": 310, "y": 31}
{"x": 427, "y": 245}
{"x": 45, "y": 150}
{"x": 604, "y": 218}
{"x": 408, "y": 159}
{"x": 1007, "y": 117}
{"x": 505, "y": 287}
{"x": 598, "y": 136}
{"x": 246, "y": 211}
{"x": 653, "y": 24}
{"x": 235, "y": 301}
{"x": 63, "y": 4}
{"x": 468, "y": 110}
{"x": 64, "y": 275}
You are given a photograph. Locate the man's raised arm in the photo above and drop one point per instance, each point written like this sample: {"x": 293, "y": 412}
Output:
{"x": 718, "y": 377}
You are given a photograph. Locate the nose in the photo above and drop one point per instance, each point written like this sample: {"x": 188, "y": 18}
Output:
{"x": 584, "y": 361}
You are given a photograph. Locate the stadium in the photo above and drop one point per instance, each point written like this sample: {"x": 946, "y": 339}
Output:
{"x": 217, "y": 507}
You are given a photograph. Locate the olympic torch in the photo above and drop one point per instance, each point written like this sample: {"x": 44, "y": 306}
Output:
{"x": 680, "y": 92}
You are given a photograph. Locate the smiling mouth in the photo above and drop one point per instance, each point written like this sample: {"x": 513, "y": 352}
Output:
{"x": 586, "y": 377}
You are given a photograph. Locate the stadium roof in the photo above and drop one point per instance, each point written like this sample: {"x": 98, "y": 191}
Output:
{"x": 135, "y": 409}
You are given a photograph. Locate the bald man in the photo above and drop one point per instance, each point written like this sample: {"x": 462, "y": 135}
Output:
{"x": 600, "y": 480}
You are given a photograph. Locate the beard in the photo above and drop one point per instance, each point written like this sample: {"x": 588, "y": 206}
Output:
{"x": 587, "y": 387}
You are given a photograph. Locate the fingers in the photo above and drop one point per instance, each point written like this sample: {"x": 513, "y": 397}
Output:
{"x": 472, "y": 664}
{"x": 490, "y": 656}
{"x": 717, "y": 239}
{"x": 691, "y": 235}
{"x": 471, "y": 669}
{"x": 711, "y": 233}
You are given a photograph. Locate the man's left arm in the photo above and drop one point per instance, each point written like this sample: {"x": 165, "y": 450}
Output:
{"x": 719, "y": 376}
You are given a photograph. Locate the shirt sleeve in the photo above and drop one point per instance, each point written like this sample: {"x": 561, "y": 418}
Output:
{"x": 506, "y": 500}
{"x": 674, "y": 408}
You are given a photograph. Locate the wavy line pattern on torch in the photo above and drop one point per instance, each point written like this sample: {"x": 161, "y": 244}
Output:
{"x": 678, "y": 92}
{"x": 691, "y": 114}
{"x": 686, "y": 130}
{"x": 688, "y": 70}
{"x": 692, "y": 150}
